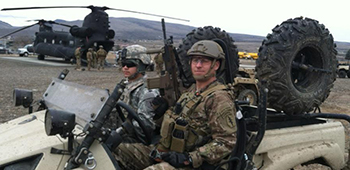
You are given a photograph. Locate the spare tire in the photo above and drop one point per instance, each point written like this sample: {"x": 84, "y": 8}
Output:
{"x": 298, "y": 63}
{"x": 208, "y": 33}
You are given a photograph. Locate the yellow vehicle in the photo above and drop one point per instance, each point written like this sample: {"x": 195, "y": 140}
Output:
{"x": 246, "y": 55}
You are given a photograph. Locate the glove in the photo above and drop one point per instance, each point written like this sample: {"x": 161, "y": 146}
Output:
{"x": 160, "y": 106}
{"x": 177, "y": 160}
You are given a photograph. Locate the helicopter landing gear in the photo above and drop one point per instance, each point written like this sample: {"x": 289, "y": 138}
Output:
{"x": 41, "y": 57}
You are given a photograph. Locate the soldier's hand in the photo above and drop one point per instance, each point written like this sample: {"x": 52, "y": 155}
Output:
{"x": 177, "y": 160}
{"x": 160, "y": 106}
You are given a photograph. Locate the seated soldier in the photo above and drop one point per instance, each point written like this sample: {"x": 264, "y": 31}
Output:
{"x": 200, "y": 131}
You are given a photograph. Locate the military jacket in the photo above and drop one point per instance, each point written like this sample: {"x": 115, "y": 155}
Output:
{"x": 210, "y": 116}
{"x": 139, "y": 97}
{"x": 101, "y": 53}
{"x": 89, "y": 55}
{"x": 77, "y": 52}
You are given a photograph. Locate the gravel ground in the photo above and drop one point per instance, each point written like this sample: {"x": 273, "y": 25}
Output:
{"x": 24, "y": 75}
{"x": 36, "y": 77}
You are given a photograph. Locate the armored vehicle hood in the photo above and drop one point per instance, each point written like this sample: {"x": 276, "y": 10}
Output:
{"x": 26, "y": 137}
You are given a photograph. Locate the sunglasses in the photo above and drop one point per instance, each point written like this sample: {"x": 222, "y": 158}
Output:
{"x": 128, "y": 64}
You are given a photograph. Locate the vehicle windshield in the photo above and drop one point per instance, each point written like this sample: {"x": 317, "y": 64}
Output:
{"x": 84, "y": 101}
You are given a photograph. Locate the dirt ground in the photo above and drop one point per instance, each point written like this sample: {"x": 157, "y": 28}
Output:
{"x": 24, "y": 75}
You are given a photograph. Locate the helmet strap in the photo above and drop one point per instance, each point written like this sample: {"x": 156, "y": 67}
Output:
{"x": 211, "y": 68}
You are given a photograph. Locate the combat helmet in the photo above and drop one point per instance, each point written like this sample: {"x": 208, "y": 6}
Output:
{"x": 211, "y": 49}
{"x": 207, "y": 48}
{"x": 137, "y": 54}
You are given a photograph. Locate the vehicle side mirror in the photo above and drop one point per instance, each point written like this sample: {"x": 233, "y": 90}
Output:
{"x": 59, "y": 122}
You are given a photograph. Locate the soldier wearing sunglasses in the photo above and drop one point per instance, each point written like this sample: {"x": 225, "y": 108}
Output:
{"x": 140, "y": 98}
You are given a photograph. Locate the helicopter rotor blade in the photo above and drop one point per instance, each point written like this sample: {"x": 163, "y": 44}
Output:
{"x": 144, "y": 13}
{"x": 50, "y": 22}
{"x": 45, "y": 7}
{"x": 53, "y": 22}
{"x": 95, "y": 7}
{"x": 18, "y": 30}
{"x": 63, "y": 24}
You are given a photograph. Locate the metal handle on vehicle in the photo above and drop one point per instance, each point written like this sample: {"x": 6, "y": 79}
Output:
{"x": 90, "y": 162}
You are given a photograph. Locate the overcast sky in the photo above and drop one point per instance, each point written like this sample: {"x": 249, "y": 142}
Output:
{"x": 255, "y": 17}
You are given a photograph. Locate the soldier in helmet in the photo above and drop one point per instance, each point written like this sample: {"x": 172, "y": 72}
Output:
{"x": 200, "y": 131}
{"x": 78, "y": 58}
{"x": 134, "y": 66}
{"x": 139, "y": 97}
{"x": 101, "y": 57}
{"x": 89, "y": 58}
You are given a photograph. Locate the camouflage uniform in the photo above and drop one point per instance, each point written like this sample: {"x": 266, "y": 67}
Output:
{"x": 77, "y": 58}
{"x": 139, "y": 97}
{"x": 159, "y": 63}
{"x": 101, "y": 56}
{"x": 201, "y": 129}
{"x": 212, "y": 117}
{"x": 94, "y": 60}
{"x": 89, "y": 58}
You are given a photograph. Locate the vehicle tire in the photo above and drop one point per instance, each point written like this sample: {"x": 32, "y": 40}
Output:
{"x": 21, "y": 55}
{"x": 207, "y": 33}
{"x": 348, "y": 74}
{"x": 286, "y": 60}
{"x": 248, "y": 95}
{"x": 25, "y": 54}
{"x": 342, "y": 74}
{"x": 41, "y": 57}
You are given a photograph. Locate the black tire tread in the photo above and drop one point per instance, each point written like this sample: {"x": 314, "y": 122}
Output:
{"x": 275, "y": 59}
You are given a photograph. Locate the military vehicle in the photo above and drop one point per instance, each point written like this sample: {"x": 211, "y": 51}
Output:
{"x": 296, "y": 70}
{"x": 343, "y": 70}
{"x": 246, "y": 85}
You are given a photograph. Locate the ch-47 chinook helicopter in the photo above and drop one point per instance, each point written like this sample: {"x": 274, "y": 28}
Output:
{"x": 94, "y": 32}
{"x": 49, "y": 42}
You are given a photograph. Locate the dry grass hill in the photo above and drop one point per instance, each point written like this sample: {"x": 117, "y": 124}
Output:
{"x": 133, "y": 29}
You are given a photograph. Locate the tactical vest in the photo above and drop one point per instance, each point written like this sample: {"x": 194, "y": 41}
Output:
{"x": 180, "y": 137}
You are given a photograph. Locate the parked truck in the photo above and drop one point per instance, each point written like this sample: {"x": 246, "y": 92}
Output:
{"x": 285, "y": 129}
{"x": 26, "y": 50}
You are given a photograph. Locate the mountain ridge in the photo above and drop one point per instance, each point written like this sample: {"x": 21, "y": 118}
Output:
{"x": 127, "y": 28}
